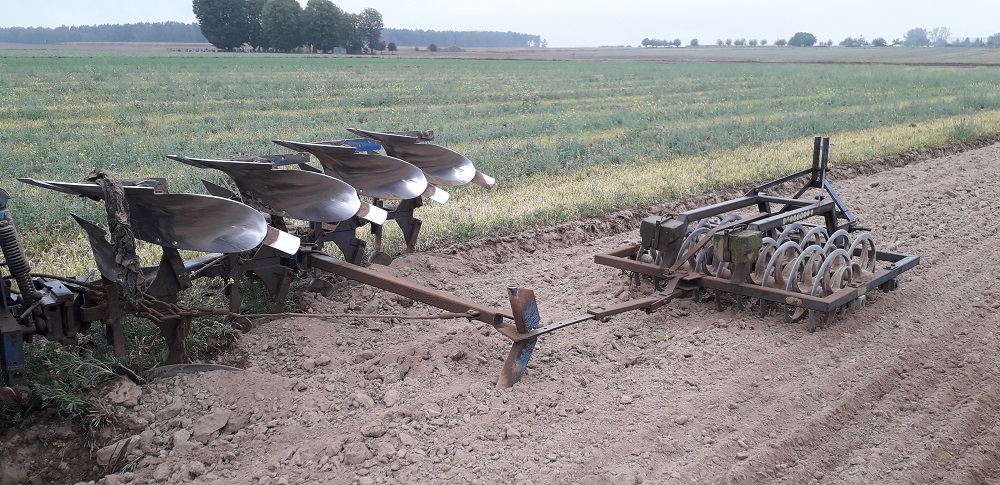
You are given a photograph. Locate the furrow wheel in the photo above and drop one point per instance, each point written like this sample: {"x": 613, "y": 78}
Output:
{"x": 839, "y": 239}
{"x": 790, "y": 231}
{"x": 834, "y": 275}
{"x": 802, "y": 273}
{"x": 863, "y": 249}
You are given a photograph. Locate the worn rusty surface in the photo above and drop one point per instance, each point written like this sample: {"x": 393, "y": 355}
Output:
{"x": 526, "y": 319}
{"x": 409, "y": 289}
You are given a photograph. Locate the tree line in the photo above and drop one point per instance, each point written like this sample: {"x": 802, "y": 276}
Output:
{"x": 916, "y": 37}
{"x": 177, "y": 32}
{"x": 140, "y": 32}
{"x": 470, "y": 38}
{"x": 284, "y": 26}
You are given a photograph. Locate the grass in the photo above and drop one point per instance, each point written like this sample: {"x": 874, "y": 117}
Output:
{"x": 567, "y": 126}
{"x": 773, "y": 54}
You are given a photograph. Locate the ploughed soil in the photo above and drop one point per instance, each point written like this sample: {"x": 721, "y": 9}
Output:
{"x": 619, "y": 53}
{"x": 903, "y": 390}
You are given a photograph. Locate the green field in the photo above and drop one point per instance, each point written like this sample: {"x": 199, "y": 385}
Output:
{"x": 564, "y": 139}
{"x": 774, "y": 54}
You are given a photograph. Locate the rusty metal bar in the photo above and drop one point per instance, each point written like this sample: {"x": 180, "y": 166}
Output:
{"x": 716, "y": 209}
{"x": 784, "y": 200}
{"x": 555, "y": 326}
{"x": 409, "y": 289}
{"x": 774, "y": 183}
{"x": 788, "y": 216}
{"x": 620, "y": 258}
{"x": 640, "y": 304}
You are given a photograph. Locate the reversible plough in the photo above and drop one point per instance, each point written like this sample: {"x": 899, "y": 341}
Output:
{"x": 804, "y": 256}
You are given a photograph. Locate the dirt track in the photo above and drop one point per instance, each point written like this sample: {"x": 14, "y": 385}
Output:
{"x": 902, "y": 391}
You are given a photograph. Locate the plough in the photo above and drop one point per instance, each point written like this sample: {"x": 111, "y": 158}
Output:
{"x": 794, "y": 255}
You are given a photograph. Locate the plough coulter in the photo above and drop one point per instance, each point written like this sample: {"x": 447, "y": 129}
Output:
{"x": 803, "y": 256}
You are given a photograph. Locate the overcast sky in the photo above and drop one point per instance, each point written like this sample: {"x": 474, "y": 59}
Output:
{"x": 582, "y": 23}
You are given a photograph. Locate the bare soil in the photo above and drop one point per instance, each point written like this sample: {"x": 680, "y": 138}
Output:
{"x": 769, "y": 55}
{"x": 904, "y": 390}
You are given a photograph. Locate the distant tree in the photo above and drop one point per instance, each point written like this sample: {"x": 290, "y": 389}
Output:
{"x": 223, "y": 22}
{"x": 854, "y": 42}
{"x": 280, "y": 22}
{"x": 432, "y": 48}
{"x": 661, "y": 42}
{"x": 693, "y": 43}
{"x": 719, "y": 42}
{"x": 780, "y": 42}
{"x": 354, "y": 42}
{"x": 740, "y": 42}
{"x": 939, "y": 36}
{"x": 753, "y": 42}
{"x": 370, "y": 27}
{"x": 916, "y": 37}
{"x": 467, "y": 38}
{"x": 139, "y": 32}
{"x": 645, "y": 42}
{"x": 392, "y": 47}
{"x": 729, "y": 42}
{"x": 993, "y": 40}
{"x": 322, "y": 25}
{"x": 879, "y": 42}
{"x": 255, "y": 32}
{"x": 970, "y": 42}
{"x": 802, "y": 39}
{"x": 763, "y": 41}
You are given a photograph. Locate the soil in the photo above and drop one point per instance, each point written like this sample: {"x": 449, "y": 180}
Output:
{"x": 900, "y": 391}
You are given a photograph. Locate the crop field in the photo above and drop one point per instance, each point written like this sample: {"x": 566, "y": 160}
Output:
{"x": 564, "y": 139}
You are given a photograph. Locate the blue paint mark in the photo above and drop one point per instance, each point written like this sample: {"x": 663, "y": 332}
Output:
{"x": 12, "y": 349}
{"x": 525, "y": 355}
{"x": 522, "y": 359}
{"x": 531, "y": 316}
{"x": 363, "y": 144}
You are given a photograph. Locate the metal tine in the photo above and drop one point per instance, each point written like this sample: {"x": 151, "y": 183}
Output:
{"x": 219, "y": 191}
{"x": 181, "y": 221}
{"x": 104, "y": 253}
{"x": 89, "y": 190}
{"x": 374, "y": 175}
{"x": 298, "y": 194}
{"x": 441, "y": 165}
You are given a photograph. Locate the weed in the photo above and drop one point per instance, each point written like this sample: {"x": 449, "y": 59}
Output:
{"x": 964, "y": 130}
{"x": 61, "y": 377}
